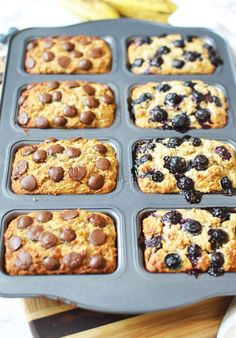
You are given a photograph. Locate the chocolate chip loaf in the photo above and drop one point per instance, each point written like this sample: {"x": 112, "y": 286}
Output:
{"x": 172, "y": 54}
{"x": 190, "y": 240}
{"x": 188, "y": 165}
{"x": 178, "y": 105}
{"x": 66, "y": 104}
{"x": 68, "y": 242}
{"x": 75, "y": 166}
{"x": 68, "y": 55}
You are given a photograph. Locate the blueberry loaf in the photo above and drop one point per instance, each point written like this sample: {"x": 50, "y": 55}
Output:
{"x": 67, "y": 104}
{"x": 68, "y": 55}
{"x": 188, "y": 165}
{"x": 75, "y": 166}
{"x": 178, "y": 105}
{"x": 172, "y": 54}
{"x": 68, "y": 242}
{"x": 190, "y": 240}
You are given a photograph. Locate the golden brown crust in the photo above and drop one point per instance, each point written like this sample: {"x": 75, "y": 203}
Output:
{"x": 94, "y": 103}
{"x": 65, "y": 167}
{"x": 192, "y": 101}
{"x": 158, "y": 55}
{"x": 73, "y": 235}
{"x": 68, "y": 55}
{"x": 163, "y": 237}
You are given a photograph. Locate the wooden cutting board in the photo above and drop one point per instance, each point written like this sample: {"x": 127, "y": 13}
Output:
{"x": 54, "y": 319}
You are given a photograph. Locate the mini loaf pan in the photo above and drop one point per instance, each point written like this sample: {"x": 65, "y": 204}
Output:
{"x": 130, "y": 289}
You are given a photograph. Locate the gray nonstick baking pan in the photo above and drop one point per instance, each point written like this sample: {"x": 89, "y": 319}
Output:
{"x": 130, "y": 289}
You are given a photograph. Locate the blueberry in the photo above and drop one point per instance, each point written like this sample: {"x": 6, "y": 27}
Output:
{"x": 173, "y": 99}
{"x": 194, "y": 251}
{"x": 193, "y": 196}
{"x": 200, "y": 162}
{"x": 191, "y": 56}
{"x": 164, "y": 50}
{"x": 185, "y": 183}
{"x": 223, "y": 152}
{"x": 173, "y": 261}
{"x": 179, "y": 43}
{"x": 163, "y": 87}
{"x": 158, "y": 114}
{"x": 155, "y": 176}
{"x": 181, "y": 122}
{"x": 222, "y": 213}
{"x": 137, "y": 62}
{"x": 174, "y": 142}
{"x": 197, "y": 96}
{"x": 175, "y": 164}
{"x": 192, "y": 226}
{"x": 202, "y": 115}
{"x": 217, "y": 237}
{"x": 196, "y": 142}
{"x": 217, "y": 259}
{"x": 163, "y": 35}
{"x": 217, "y": 101}
{"x": 142, "y": 98}
{"x": 216, "y": 61}
{"x": 153, "y": 242}
{"x": 156, "y": 61}
{"x": 145, "y": 158}
{"x": 226, "y": 183}
{"x": 190, "y": 84}
{"x": 189, "y": 38}
{"x": 178, "y": 63}
{"x": 210, "y": 49}
{"x": 143, "y": 40}
{"x": 173, "y": 217}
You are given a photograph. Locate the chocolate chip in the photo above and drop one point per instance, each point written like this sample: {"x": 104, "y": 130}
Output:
{"x": 44, "y": 216}
{"x": 68, "y": 46}
{"x": 96, "y": 52}
{"x": 41, "y": 122}
{"x": 34, "y": 232}
{"x": 22, "y": 118}
{"x": 73, "y": 152}
{"x": 48, "y": 43}
{"x": 96, "y": 181}
{"x": 85, "y": 64}
{"x": 51, "y": 263}
{"x": 53, "y": 84}
{"x": 96, "y": 261}
{"x": 14, "y": 243}
{"x": 60, "y": 121}
{"x": 92, "y": 102}
{"x": 89, "y": 89}
{"x": 29, "y": 150}
{"x": 67, "y": 235}
{"x": 72, "y": 84}
{"x": 31, "y": 45}
{"x": 57, "y": 96}
{"x": 39, "y": 156}
{"x": 45, "y": 98}
{"x": 56, "y": 173}
{"x": 70, "y": 111}
{"x": 48, "y": 240}
{"x": 69, "y": 214}
{"x": 48, "y": 56}
{"x": 24, "y": 222}
{"x": 108, "y": 99}
{"x": 87, "y": 117}
{"x": 28, "y": 183}
{"x": 100, "y": 148}
{"x": 55, "y": 149}
{"x": 76, "y": 54}
{"x": 77, "y": 173}
{"x": 97, "y": 237}
{"x": 72, "y": 260}
{"x": 103, "y": 163}
{"x": 23, "y": 260}
{"x": 97, "y": 220}
{"x": 84, "y": 40}
{"x": 29, "y": 62}
{"x": 21, "y": 100}
{"x": 63, "y": 61}
{"x": 21, "y": 168}
{"x": 50, "y": 139}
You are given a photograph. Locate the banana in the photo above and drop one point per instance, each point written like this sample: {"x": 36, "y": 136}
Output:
{"x": 144, "y": 15}
{"x": 163, "y": 6}
{"x": 91, "y": 9}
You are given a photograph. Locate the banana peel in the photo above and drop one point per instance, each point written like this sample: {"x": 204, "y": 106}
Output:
{"x": 91, "y": 9}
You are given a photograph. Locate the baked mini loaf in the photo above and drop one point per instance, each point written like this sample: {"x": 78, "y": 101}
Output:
{"x": 66, "y": 104}
{"x": 190, "y": 240}
{"x": 68, "y": 55}
{"x": 188, "y": 165}
{"x": 53, "y": 242}
{"x": 171, "y": 54}
{"x": 75, "y": 166}
{"x": 178, "y": 105}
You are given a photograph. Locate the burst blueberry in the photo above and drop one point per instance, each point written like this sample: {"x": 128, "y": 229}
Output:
{"x": 173, "y": 99}
{"x": 158, "y": 114}
{"x": 175, "y": 164}
{"x": 163, "y": 87}
{"x": 174, "y": 142}
{"x": 202, "y": 115}
{"x": 185, "y": 183}
{"x": 173, "y": 217}
{"x": 223, "y": 152}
